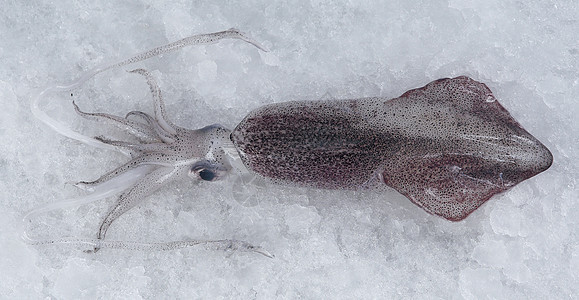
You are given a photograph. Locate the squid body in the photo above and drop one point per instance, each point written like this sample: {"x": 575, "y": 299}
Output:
{"x": 448, "y": 146}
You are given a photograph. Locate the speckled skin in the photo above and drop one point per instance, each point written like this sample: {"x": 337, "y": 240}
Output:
{"x": 448, "y": 146}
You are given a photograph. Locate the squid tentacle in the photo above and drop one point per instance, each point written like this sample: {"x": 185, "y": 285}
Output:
{"x": 145, "y": 116}
{"x": 99, "y": 191}
{"x": 158, "y": 129}
{"x": 130, "y": 198}
{"x": 58, "y": 126}
{"x": 136, "y": 147}
{"x": 220, "y": 245}
{"x": 135, "y": 127}
{"x": 160, "y": 112}
{"x": 156, "y": 159}
{"x": 144, "y": 187}
{"x": 200, "y": 39}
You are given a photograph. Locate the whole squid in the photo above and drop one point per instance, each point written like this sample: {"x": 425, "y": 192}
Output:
{"x": 448, "y": 147}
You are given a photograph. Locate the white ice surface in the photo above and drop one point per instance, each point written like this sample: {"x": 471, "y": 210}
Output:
{"x": 328, "y": 244}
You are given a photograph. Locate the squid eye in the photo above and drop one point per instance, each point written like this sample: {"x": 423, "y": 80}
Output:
{"x": 206, "y": 175}
{"x": 207, "y": 171}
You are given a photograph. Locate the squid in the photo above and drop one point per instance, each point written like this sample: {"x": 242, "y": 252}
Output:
{"x": 448, "y": 146}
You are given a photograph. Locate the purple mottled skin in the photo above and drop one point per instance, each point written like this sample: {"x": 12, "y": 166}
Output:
{"x": 448, "y": 146}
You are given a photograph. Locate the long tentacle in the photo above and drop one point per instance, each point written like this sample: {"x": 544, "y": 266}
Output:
{"x": 219, "y": 245}
{"x": 200, "y": 39}
{"x": 160, "y": 112}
